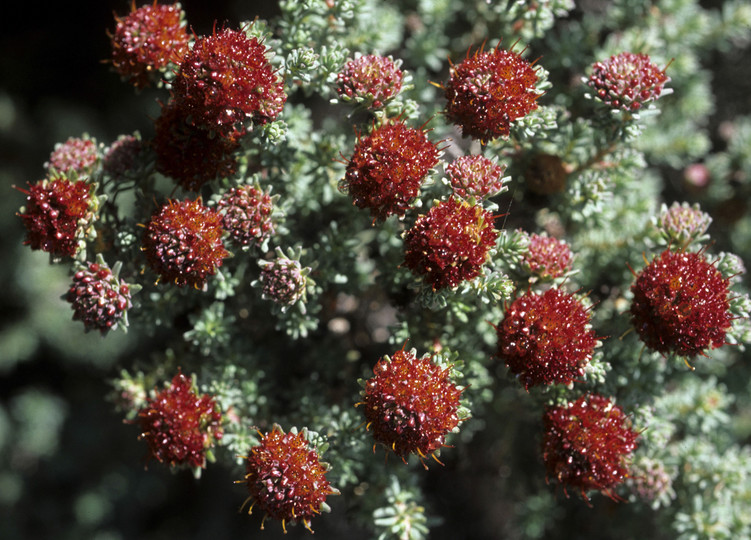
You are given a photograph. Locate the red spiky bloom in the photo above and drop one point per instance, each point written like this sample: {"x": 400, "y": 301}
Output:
{"x": 179, "y": 425}
{"x": 546, "y": 338}
{"x": 627, "y": 81}
{"x": 248, "y": 214}
{"x": 450, "y": 243}
{"x": 547, "y": 257}
{"x": 681, "y": 304}
{"x": 58, "y": 214}
{"x": 587, "y": 445}
{"x": 286, "y": 478}
{"x": 78, "y": 155}
{"x": 183, "y": 242}
{"x": 388, "y": 167}
{"x": 488, "y": 91}
{"x": 226, "y": 81}
{"x": 189, "y": 155}
{"x": 475, "y": 176}
{"x": 410, "y": 404}
{"x": 370, "y": 79}
{"x": 148, "y": 40}
{"x": 99, "y": 298}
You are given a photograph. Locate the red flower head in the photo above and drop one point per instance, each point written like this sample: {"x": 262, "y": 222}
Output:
{"x": 179, "y": 425}
{"x": 284, "y": 280}
{"x": 248, "y": 214}
{"x": 450, "y": 243}
{"x": 286, "y": 478}
{"x": 226, "y": 81}
{"x": 547, "y": 257}
{"x": 183, "y": 242}
{"x": 370, "y": 79}
{"x": 77, "y": 155}
{"x": 58, "y": 214}
{"x": 410, "y": 404}
{"x": 99, "y": 298}
{"x": 587, "y": 443}
{"x": 190, "y": 155}
{"x": 387, "y": 169}
{"x": 546, "y": 338}
{"x": 123, "y": 155}
{"x": 681, "y": 304}
{"x": 147, "y": 40}
{"x": 627, "y": 81}
{"x": 488, "y": 91}
{"x": 475, "y": 176}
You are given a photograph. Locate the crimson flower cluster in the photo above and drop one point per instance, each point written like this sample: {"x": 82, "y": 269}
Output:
{"x": 183, "y": 242}
{"x": 147, "y": 40}
{"x": 179, "y": 425}
{"x": 99, "y": 298}
{"x": 547, "y": 257}
{"x": 286, "y": 479}
{"x": 450, "y": 243}
{"x": 226, "y": 81}
{"x": 489, "y": 90}
{"x": 77, "y": 155}
{"x": 370, "y": 79}
{"x": 587, "y": 444}
{"x": 247, "y": 214}
{"x": 388, "y": 167}
{"x": 546, "y": 338}
{"x": 627, "y": 81}
{"x": 57, "y": 214}
{"x": 681, "y": 304}
{"x": 410, "y": 404}
{"x": 475, "y": 176}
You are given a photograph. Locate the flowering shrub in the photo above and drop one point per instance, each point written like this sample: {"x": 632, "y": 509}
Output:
{"x": 310, "y": 198}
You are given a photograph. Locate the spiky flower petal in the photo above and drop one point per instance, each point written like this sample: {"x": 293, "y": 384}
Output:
{"x": 248, "y": 214}
{"x": 488, "y": 91}
{"x": 147, "y": 40}
{"x": 286, "y": 478}
{"x": 547, "y": 257}
{"x": 226, "y": 82}
{"x": 450, "y": 243}
{"x": 627, "y": 81}
{"x": 370, "y": 79}
{"x": 179, "y": 425}
{"x": 183, "y": 242}
{"x": 410, "y": 404}
{"x": 475, "y": 176}
{"x": 681, "y": 304}
{"x": 388, "y": 167}
{"x": 58, "y": 214}
{"x": 546, "y": 338}
{"x": 587, "y": 444}
{"x": 99, "y": 298}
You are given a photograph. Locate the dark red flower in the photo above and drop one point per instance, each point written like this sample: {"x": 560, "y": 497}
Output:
{"x": 183, "y": 242}
{"x": 77, "y": 155}
{"x": 123, "y": 155}
{"x": 99, "y": 298}
{"x": 370, "y": 79}
{"x": 450, "y": 243}
{"x": 681, "y": 304}
{"x": 179, "y": 425}
{"x": 248, "y": 214}
{"x": 388, "y": 167}
{"x": 410, "y": 404}
{"x": 284, "y": 280}
{"x": 189, "y": 155}
{"x": 475, "y": 176}
{"x": 57, "y": 215}
{"x": 226, "y": 81}
{"x": 488, "y": 91}
{"x": 286, "y": 478}
{"x": 147, "y": 40}
{"x": 546, "y": 338}
{"x": 547, "y": 257}
{"x": 627, "y": 81}
{"x": 587, "y": 444}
